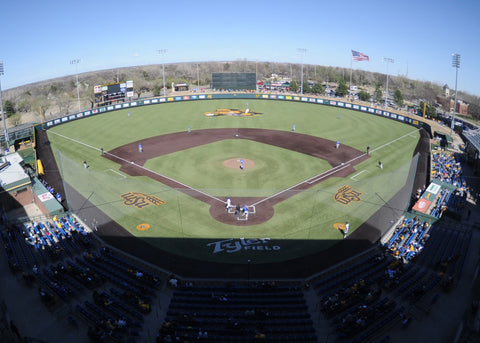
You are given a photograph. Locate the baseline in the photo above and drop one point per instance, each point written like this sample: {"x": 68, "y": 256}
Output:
{"x": 359, "y": 173}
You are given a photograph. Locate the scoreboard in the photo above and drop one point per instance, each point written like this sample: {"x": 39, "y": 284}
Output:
{"x": 113, "y": 93}
{"x": 234, "y": 81}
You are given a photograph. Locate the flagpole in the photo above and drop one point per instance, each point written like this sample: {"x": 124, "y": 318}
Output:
{"x": 350, "y": 86}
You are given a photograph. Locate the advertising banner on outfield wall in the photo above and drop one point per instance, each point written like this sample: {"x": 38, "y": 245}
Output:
{"x": 294, "y": 98}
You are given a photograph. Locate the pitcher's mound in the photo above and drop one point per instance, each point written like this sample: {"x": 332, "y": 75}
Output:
{"x": 237, "y": 162}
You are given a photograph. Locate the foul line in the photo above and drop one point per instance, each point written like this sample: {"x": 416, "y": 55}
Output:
{"x": 74, "y": 140}
{"x": 327, "y": 173}
{"x": 309, "y": 181}
{"x": 139, "y": 166}
{"x": 359, "y": 173}
{"x": 116, "y": 172}
{"x": 332, "y": 170}
{"x": 397, "y": 139}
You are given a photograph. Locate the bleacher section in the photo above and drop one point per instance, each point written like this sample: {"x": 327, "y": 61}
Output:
{"x": 236, "y": 313}
{"x": 114, "y": 294}
{"x": 69, "y": 265}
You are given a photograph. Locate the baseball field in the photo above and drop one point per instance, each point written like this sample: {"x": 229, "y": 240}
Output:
{"x": 282, "y": 163}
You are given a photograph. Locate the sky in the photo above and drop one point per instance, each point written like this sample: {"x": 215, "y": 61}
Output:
{"x": 39, "y": 39}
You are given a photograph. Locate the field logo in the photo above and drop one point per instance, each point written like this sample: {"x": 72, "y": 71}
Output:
{"x": 234, "y": 245}
{"x": 141, "y": 200}
{"x": 143, "y": 227}
{"x": 346, "y": 194}
{"x": 232, "y": 112}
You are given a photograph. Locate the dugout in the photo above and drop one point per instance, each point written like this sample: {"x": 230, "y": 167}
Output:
{"x": 19, "y": 137}
{"x": 443, "y": 139}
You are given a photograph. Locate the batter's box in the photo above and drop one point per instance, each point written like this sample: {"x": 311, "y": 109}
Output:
{"x": 356, "y": 177}
{"x": 251, "y": 210}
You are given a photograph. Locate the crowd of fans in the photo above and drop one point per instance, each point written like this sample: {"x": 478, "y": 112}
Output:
{"x": 408, "y": 238}
{"x": 446, "y": 169}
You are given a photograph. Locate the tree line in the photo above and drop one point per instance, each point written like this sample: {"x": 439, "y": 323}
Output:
{"x": 58, "y": 97}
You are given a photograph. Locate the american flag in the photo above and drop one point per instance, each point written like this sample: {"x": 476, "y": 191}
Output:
{"x": 358, "y": 56}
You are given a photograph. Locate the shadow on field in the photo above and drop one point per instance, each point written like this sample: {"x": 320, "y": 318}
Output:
{"x": 211, "y": 265}
{"x": 196, "y": 268}
{"x": 212, "y": 250}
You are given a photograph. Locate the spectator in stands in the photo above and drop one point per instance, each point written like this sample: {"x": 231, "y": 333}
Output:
{"x": 260, "y": 336}
{"x": 173, "y": 282}
{"x": 202, "y": 334}
{"x": 121, "y": 323}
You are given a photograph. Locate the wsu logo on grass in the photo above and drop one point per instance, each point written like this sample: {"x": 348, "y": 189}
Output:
{"x": 346, "y": 194}
{"x": 141, "y": 200}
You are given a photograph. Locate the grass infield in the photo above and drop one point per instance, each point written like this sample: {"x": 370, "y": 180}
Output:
{"x": 301, "y": 225}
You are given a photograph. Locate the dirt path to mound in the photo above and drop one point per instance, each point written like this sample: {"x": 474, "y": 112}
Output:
{"x": 342, "y": 161}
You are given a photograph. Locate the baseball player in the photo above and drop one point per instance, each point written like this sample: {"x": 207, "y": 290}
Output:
{"x": 245, "y": 211}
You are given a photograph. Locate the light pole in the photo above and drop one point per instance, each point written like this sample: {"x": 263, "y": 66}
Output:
{"x": 5, "y": 131}
{"x": 456, "y": 65}
{"x": 387, "y": 61}
{"x": 198, "y": 79}
{"x": 163, "y": 52}
{"x": 303, "y": 51}
{"x": 76, "y": 62}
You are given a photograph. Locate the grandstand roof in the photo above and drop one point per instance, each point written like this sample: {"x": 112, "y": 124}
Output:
{"x": 473, "y": 137}
{"x": 12, "y": 175}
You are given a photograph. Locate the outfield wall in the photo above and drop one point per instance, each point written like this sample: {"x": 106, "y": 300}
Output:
{"x": 281, "y": 97}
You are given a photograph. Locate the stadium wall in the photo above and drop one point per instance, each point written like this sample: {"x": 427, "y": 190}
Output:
{"x": 294, "y": 98}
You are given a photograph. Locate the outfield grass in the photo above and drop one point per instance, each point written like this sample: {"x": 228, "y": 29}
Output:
{"x": 307, "y": 217}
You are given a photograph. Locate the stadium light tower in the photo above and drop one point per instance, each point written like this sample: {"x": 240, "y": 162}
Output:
{"x": 163, "y": 52}
{"x": 302, "y": 51}
{"x": 456, "y": 65}
{"x": 387, "y": 61}
{"x": 76, "y": 62}
{"x": 198, "y": 78}
{"x": 5, "y": 131}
